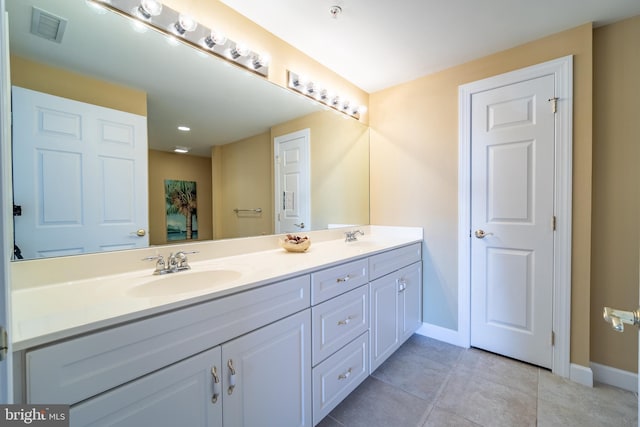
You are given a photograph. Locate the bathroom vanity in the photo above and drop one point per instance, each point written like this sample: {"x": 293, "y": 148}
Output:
{"x": 281, "y": 342}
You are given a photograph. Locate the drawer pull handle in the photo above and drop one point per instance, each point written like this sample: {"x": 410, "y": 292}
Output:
{"x": 345, "y": 375}
{"x": 216, "y": 385}
{"x": 343, "y": 279}
{"x": 346, "y": 321}
{"x": 232, "y": 377}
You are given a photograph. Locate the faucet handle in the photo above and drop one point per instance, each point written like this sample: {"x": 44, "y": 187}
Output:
{"x": 352, "y": 236}
{"x": 160, "y": 266}
{"x": 181, "y": 258}
{"x": 181, "y": 253}
{"x": 160, "y": 258}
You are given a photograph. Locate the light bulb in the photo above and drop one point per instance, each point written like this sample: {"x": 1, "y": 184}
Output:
{"x": 185, "y": 23}
{"x": 238, "y": 50}
{"x": 261, "y": 60}
{"x": 311, "y": 88}
{"x": 214, "y": 38}
{"x": 149, "y": 8}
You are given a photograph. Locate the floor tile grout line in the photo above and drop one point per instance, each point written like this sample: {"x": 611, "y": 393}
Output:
{"x": 444, "y": 384}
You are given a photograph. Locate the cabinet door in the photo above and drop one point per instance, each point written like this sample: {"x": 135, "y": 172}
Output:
{"x": 267, "y": 375}
{"x": 179, "y": 395}
{"x": 384, "y": 299}
{"x": 410, "y": 300}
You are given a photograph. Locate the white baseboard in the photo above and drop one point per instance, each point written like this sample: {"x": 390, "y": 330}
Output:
{"x": 442, "y": 334}
{"x": 581, "y": 375}
{"x": 616, "y": 377}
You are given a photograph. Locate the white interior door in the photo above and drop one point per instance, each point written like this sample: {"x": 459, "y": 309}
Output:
{"x": 293, "y": 182}
{"x": 512, "y": 217}
{"x": 80, "y": 176}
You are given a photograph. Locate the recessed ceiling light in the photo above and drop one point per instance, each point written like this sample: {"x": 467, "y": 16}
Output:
{"x": 184, "y": 128}
{"x": 181, "y": 150}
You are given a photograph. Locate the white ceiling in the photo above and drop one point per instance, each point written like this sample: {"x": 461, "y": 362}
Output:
{"x": 380, "y": 43}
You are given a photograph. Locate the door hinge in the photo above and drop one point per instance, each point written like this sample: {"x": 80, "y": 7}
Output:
{"x": 553, "y": 338}
{"x": 554, "y": 105}
{"x": 4, "y": 343}
{"x": 554, "y": 222}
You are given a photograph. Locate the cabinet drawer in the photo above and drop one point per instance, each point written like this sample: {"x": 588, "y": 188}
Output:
{"x": 334, "y": 281}
{"x": 390, "y": 261}
{"x": 339, "y": 375}
{"x": 338, "y": 321}
{"x": 80, "y": 368}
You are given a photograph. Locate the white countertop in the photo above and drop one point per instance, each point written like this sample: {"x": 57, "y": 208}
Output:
{"x": 46, "y": 313}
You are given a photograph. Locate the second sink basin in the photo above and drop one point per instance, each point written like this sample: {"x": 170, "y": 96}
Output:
{"x": 184, "y": 282}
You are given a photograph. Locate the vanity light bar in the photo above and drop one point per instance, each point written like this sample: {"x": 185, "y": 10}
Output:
{"x": 318, "y": 93}
{"x": 172, "y": 23}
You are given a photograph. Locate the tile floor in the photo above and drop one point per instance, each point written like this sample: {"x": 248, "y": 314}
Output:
{"x": 427, "y": 383}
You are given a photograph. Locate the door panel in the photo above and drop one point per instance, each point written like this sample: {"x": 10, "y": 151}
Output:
{"x": 80, "y": 175}
{"x": 512, "y": 138}
{"x": 271, "y": 373}
{"x": 293, "y": 188}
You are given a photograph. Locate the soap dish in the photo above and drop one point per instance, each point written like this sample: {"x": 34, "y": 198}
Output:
{"x": 292, "y": 243}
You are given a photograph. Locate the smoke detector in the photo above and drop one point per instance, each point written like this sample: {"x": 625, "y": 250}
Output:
{"x": 335, "y": 11}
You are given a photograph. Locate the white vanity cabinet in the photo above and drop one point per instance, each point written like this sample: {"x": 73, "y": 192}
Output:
{"x": 396, "y": 300}
{"x": 278, "y": 354}
{"x": 262, "y": 378}
{"x": 160, "y": 368}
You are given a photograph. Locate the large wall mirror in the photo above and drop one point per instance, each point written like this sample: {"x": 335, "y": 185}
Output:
{"x": 234, "y": 116}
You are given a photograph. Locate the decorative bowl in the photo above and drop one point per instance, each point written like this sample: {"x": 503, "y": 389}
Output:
{"x": 295, "y": 243}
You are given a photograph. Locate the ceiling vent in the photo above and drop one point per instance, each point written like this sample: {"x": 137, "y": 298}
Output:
{"x": 47, "y": 25}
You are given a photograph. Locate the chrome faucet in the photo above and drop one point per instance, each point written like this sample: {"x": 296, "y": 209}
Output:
{"x": 351, "y": 236}
{"x": 176, "y": 262}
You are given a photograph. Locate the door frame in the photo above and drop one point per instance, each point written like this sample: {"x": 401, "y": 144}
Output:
{"x": 6, "y": 203}
{"x": 562, "y": 70}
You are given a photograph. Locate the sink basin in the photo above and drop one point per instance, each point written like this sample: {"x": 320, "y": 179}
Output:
{"x": 184, "y": 282}
{"x": 363, "y": 244}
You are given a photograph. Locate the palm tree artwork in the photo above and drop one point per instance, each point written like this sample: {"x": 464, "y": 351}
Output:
{"x": 182, "y": 208}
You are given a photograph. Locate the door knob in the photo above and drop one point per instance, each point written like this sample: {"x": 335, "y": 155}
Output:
{"x": 617, "y": 318}
{"x": 481, "y": 234}
{"x": 301, "y": 225}
{"x": 140, "y": 233}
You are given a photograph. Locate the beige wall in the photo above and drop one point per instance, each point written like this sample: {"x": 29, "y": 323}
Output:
{"x": 244, "y": 182}
{"x": 414, "y": 169}
{"x": 243, "y": 176}
{"x": 217, "y": 15}
{"x": 163, "y": 165}
{"x": 616, "y": 189}
{"x": 67, "y": 84}
{"x": 339, "y": 167}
